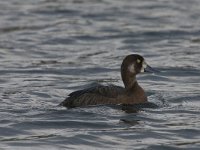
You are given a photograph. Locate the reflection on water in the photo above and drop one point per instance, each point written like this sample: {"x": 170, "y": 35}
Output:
{"x": 51, "y": 48}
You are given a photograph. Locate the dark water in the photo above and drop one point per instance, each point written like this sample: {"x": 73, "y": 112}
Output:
{"x": 50, "y": 48}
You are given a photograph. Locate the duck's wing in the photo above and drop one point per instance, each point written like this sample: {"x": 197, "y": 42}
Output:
{"x": 111, "y": 91}
{"x": 99, "y": 94}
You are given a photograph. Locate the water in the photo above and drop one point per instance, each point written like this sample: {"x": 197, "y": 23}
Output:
{"x": 51, "y": 48}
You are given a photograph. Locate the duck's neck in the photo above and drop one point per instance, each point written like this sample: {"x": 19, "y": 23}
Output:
{"x": 129, "y": 82}
{"x": 133, "y": 89}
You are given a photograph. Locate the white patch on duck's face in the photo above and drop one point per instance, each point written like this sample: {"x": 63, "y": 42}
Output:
{"x": 131, "y": 68}
{"x": 144, "y": 65}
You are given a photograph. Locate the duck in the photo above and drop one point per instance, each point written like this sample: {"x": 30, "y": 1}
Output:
{"x": 131, "y": 93}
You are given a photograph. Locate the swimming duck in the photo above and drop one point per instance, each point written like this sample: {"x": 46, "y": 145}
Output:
{"x": 131, "y": 93}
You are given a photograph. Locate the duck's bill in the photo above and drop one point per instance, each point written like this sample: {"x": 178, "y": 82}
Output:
{"x": 150, "y": 69}
{"x": 147, "y": 68}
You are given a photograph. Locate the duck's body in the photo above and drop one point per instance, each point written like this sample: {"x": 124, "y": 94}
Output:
{"x": 132, "y": 93}
{"x": 99, "y": 95}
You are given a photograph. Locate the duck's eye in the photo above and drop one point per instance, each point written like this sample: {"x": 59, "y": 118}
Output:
{"x": 138, "y": 61}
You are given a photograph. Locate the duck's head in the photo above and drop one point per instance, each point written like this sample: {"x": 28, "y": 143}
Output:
{"x": 134, "y": 64}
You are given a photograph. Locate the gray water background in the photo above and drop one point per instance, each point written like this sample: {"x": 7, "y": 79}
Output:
{"x": 50, "y": 48}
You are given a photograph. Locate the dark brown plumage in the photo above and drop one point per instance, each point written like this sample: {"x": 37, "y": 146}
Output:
{"x": 97, "y": 95}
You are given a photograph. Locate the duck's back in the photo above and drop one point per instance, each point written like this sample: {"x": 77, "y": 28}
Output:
{"x": 96, "y": 95}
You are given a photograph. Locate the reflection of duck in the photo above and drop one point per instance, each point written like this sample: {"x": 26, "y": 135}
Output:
{"x": 97, "y": 95}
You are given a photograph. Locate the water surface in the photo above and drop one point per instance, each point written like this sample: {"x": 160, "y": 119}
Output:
{"x": 51, "y": 48}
